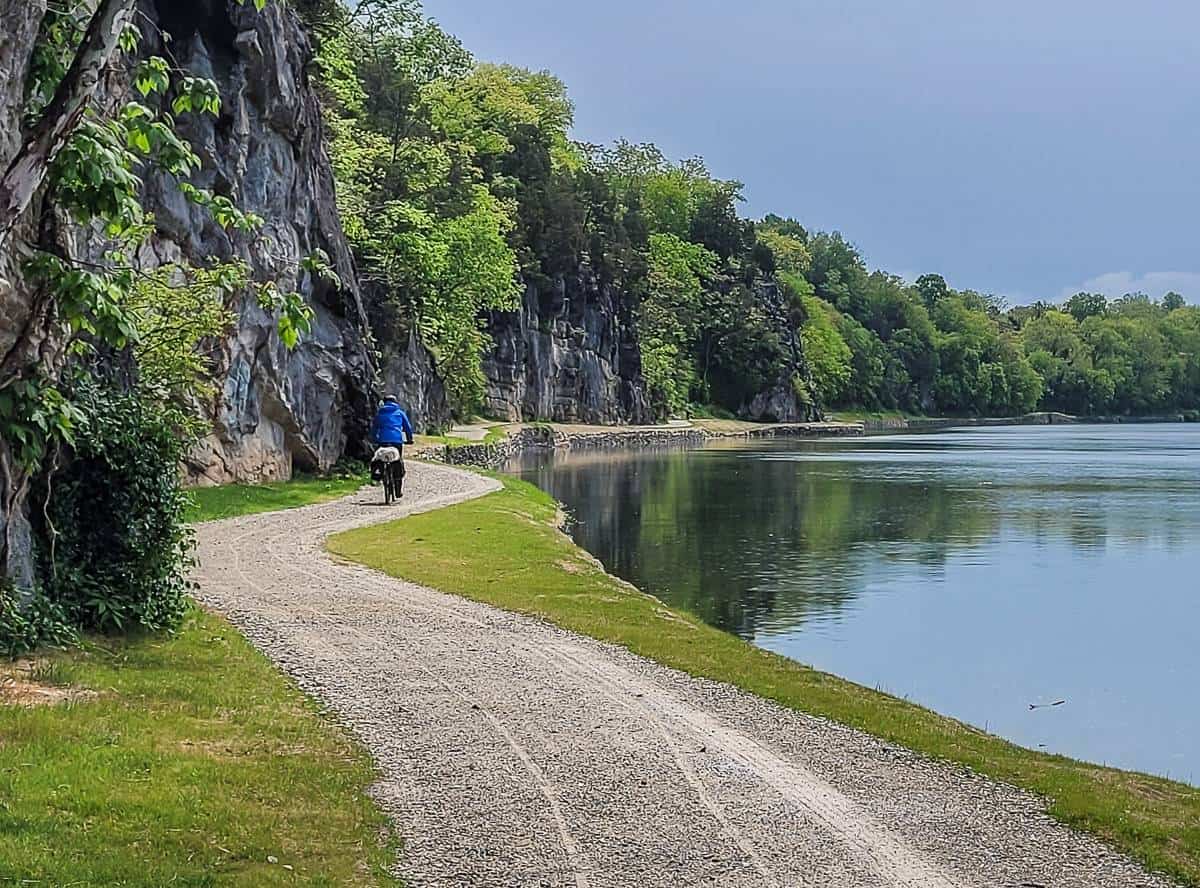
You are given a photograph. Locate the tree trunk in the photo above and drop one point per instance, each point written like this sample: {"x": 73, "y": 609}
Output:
{"x": 27, "y": 169}
{"x": 18, "y": 32}
{"x": 27, "y": 341}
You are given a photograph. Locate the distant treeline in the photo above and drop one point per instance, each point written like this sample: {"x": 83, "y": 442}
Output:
{"x": 457, "y": 179}
{"x": 875, "y": 340}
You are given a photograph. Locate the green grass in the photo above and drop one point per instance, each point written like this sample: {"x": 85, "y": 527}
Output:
{"x": 709, "y": 411}
{"x": 853, "y": 415}
{"x": 195, "y": 763}
{"x": 231, "y": 500}
{"x": 494, "y": 435}
{"x": 506, "y": 550}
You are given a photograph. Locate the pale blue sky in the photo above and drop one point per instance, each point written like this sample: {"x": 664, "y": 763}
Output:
{"x": 1022, "y": 148}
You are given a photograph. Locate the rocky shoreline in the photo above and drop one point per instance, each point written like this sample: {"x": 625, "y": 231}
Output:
{"x": 933, "y": 423}
{"x": 547, "y": 436}
{"x": 494, "y": 454}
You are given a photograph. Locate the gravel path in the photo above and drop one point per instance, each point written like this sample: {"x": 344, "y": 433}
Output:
{"x": 516, "y": 754}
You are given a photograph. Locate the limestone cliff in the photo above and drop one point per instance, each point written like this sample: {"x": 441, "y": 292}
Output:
{"x": 410, "y": 375}
{"x": 569, "y": 355}
{"x": 277, "y": 410}
{"x": 790, "y": 396}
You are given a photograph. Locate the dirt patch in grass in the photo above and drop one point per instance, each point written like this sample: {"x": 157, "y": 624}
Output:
{"x": 185, "y": 759}
{"x": 22, "y": 684}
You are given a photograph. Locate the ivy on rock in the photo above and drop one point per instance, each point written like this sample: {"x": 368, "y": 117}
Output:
{"x": 97, "y": 431}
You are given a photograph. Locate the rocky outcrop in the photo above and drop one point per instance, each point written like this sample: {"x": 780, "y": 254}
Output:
{"x": 277, "y": 409}
{"x": 410, "y": 375}
{"x": 792, "y": 396}
{"x": 781, "y": 403}
{"x": 568, "y": 355}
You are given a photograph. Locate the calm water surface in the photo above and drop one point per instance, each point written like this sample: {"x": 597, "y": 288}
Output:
{"x": 975, "y": 571}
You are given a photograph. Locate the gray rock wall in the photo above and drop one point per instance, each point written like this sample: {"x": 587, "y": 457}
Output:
{"x": 792, "y": 397}
{"x": 409, "y": 374}
{"x": 277, "y": 410}
{"x": 568, "y": 355}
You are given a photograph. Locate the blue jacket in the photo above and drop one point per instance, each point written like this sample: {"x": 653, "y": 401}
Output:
{"x": 391, "y": 426}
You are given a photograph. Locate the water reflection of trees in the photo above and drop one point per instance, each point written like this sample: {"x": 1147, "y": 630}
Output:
{"x": 738, "y": 540}
{"x": 751, "y": 539}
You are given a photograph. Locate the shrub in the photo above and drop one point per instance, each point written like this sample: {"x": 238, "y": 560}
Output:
{"x": 118, "y": 546}
{"x": 39, "y": 622}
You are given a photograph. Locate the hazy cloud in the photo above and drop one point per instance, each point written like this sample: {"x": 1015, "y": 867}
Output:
{"x": 1154, "y": 284}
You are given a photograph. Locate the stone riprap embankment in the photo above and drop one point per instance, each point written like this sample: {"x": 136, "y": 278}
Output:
{"x": 1043, "y": 417}
{"x": 513, "y": 753}
{"x": 567, "y": 437}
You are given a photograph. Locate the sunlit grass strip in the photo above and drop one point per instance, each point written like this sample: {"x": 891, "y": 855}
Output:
{"x": 506, "y": 550}
{"x": 494, "y": 435}
{"x": 195, "y": 762}
{"x": 231, "y": 500}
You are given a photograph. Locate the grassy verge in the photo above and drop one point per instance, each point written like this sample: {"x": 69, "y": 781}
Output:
{"x": 493, "y": 435}
{"x": 505, "y": 549}
{"x": 864, "y": 415}
{"x": 193, "y": 762}
{"x": 231, "y": 500}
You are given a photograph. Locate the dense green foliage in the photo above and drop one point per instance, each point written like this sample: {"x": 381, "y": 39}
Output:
{"x": 925, "y": 347}
{"x": 29, "y": 621}
{"x": 718, "y": 321}
{"x": 114, "y": 515}
{"x": 879, "y": 342}
{"x": 1130, "y": 355}
{"x": 458, "y": 179}
{"x": 99, "y": 429}
{"x": 417, "y": 137}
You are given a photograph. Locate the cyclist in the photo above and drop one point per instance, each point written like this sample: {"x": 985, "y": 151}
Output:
{"x": 392, "y": 428}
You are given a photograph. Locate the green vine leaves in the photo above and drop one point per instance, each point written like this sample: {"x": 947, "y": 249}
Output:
{"x": 95, "y": 179}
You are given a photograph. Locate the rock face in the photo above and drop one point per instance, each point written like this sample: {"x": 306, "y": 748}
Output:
{"x": 569, "y": 355}
{"x": 277, "y": 410}
{"x": 792, "y": 397}
{"x": 409, "y": 374}
{"x": 779, "y": 403}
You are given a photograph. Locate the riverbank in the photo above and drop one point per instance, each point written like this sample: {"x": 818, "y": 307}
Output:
{"x": 506, "y": 551}
{"x": 491, "y": 445}
{"x": 507, "y": 442}
{"x": 897, "y": 422}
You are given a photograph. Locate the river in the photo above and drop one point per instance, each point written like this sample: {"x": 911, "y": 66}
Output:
{"x": 985, "y": 573}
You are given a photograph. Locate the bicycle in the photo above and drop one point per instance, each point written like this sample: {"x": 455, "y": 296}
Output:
{"x": 387, "y": 467}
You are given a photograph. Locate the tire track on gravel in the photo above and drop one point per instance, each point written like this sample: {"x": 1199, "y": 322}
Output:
{"x": 570, "y": 846}
{"x": 893, "y": 862}
{"x": 515, "y": 753}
